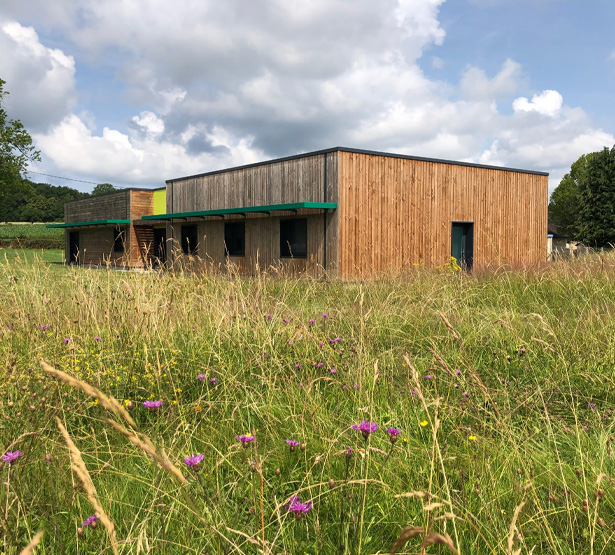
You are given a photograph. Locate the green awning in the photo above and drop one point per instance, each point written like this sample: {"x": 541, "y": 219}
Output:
{"x": 93, "y": 223}
{"x": 266, "y": 209}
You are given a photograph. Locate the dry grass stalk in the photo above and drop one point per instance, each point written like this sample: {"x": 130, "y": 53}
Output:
{"x": 441, "y": 361}
{"x": 82, "y": 472}
{"x": 511, "y": 531}
{"x": 147, "y": 446}
{"x": 448, "y": 325}
{"x": 430, "y": 538}
{"x": 29, "y": 549}
{"x": 107, "y": 402}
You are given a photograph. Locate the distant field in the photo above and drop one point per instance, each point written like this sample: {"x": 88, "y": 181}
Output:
{"x": 15, "y": 235}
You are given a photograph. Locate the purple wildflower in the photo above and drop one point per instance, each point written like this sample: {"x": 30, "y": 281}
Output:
{"x": 11, "y": 457}
{"x": 97, "y": 339}
{"x": 366, "y": 427}
{"x": 269, "y": 316}
{"x": 356, "y": 386}
{"x": 393, "y": 433}
{"x": 312, "y": 322}
{"x": 193, "y": 460}
{"x": 245, "y": 439}
{"x": 333, "y": 370}
{"x": 153, "y": 404}
{"x": 66, "y": 340}
{"x": 522, "y": 351}
{"x": 325, "y": 315}
{"x": 193, "y": 328}
{"x": 45, "y": 327}
{"x": 320, "y": 365}
{"x": 293, "y": 444}
{"x": 297, "y": 507}
{"x": 297, "y": 366}
{"x": 286, "y": 320}
{"x": 412, "y": 392}
{"x": 349, "y": 452}
{"x": 201, "y": 377}
{"x": 214, "y": 380}
{"x": 592, "y": 406}
{"x": 429, "y": 377}
{"x": 89, "y": 521}
{"x": 290, "y": 342}
{"x": 457, "y": 372}
{"x": 320, "y": 343}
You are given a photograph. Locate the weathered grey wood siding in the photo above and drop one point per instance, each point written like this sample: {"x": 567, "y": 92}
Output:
{"x": 308, "y": 179}
{"x": 113, "y": 206}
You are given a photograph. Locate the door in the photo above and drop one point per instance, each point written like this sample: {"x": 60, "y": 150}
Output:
{"x": 462, "y": 243}
{"x": 73, "y": 247}
{"x": 160, "y": 243}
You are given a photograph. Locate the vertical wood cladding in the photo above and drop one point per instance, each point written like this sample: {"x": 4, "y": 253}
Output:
{"x": 96, "y": 243}
{"x": 395, "y": 213}
{"x": 140, "y": 245}
{"x": 297, "y": 180}
{"x": 113, "y": 206}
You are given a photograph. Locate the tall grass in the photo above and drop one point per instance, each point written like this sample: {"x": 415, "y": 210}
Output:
{"x": 501, "y": 385}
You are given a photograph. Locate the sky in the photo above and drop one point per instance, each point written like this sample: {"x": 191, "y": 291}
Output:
{"x": 135, "y": 92}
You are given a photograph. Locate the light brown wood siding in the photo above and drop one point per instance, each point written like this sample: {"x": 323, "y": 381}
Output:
{"x": 395, "y": 213}
{"x": 141, "y": 244}
{"x": 297, "y": 180}
{"x": 96, "y": 246}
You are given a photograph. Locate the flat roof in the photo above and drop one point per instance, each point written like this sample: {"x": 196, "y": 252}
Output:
{"x": 265, "y": 209}
{"x": 358, "y": 151}
{"x": 122, "y": 190}
{"x": 92, "y": 223}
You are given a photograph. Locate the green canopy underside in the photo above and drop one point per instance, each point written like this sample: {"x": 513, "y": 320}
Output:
{"x": 93, "y": 223}
{"x": 243, "y": 210}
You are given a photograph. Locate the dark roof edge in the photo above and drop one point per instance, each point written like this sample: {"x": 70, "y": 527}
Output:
{"x": 122, "y": 190}
{"x": 358, "y": 151}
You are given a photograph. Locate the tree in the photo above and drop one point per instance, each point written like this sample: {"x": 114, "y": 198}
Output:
{"x": 103, "y": 188}
{"x": 583, "y": 204}
{"x": 16, "y": 152}
{"x": 596, "y": 215}
{"x": 564, "y": 201}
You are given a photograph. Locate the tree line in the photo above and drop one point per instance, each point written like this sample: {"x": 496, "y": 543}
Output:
{"x": 582, "y": 206}
{"x": 22, "y": 200}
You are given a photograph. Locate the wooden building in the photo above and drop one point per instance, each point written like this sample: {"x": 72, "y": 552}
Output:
{"x": 107, "y": 229}
{"x": 352, "y": 213}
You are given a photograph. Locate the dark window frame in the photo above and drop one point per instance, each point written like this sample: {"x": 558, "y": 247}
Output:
{"x": 235, "y": 238}
{"x": 119, "y": 240}
{"x": 293, "y": 238}
{"x": 189, "y": 238}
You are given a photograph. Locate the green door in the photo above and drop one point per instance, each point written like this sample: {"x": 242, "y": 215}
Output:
{"x": 462, "y": 243}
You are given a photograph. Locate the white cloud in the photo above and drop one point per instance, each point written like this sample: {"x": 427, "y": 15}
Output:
{"x": 216, "y": 84}
{"x": 40, "y": 80}
{"x": 475, "y": 85}
{"x": 436, "y": 62}
{"x": 611, "y": 59}
{"x": 548, "y": 103}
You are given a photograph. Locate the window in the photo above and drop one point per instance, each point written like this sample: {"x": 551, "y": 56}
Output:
{"x": 293, "y": 238}
{"x": 118, "y": 240}
{"x": 234, "y": 239}
{"x": 189, "y": 239}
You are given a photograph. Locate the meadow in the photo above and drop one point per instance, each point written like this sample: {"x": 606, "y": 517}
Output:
{"x": 437, "y": 412}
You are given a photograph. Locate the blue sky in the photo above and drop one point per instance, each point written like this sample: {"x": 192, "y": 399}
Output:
{"x": 134, "y": 92}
